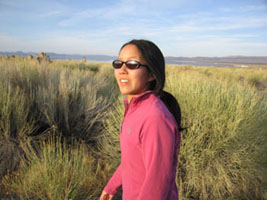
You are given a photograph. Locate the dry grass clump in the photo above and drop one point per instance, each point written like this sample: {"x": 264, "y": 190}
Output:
{"x": 223, "y": 151}
{"x": 37, "y": 99}
{"x": 57, "y": 170}
{"x": 109, "y": 142}
{"x": 69, "y": 100}
{"x": 254, "y": 76}
{"x": 15, "y": 125}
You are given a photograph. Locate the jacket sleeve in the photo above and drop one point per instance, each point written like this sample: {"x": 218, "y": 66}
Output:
{"x": 158, "y": 148}
{"x": 114, "y": 183}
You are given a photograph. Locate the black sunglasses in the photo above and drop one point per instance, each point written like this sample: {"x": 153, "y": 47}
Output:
{"x": 130, "y": 64}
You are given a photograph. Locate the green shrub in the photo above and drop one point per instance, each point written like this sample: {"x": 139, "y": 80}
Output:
{"x": 14, "y": 113}
{"x": 38, "y": 99}
{"x": 81, "y": 66}
{"x": 109, "y": 142}
{"x": 57, "y": 171}
{"x": 69, "y": 100}
{"x": 15, "y": 126}
{"x": 255, "y": 81}
{"x": 223, "y": 151}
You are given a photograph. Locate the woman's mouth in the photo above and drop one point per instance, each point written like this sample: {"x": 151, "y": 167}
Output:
{"x": 124, "y": 81}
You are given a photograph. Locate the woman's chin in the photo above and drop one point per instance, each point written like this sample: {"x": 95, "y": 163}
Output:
{"x": 124, "y": 92}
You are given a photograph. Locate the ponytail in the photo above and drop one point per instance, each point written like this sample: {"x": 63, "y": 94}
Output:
{"x": 173, "y": 106}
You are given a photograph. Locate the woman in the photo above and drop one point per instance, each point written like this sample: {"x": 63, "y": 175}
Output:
{"x": 149, "y": 135}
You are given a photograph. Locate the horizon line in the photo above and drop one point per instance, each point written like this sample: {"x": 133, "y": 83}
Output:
{"x": 80, "y": 54}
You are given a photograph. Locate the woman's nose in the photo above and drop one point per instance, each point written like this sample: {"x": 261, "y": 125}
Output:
{"x": 123, "y": 69}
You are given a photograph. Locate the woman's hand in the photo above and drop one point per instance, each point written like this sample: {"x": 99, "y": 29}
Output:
{"x": 105, "y": 196}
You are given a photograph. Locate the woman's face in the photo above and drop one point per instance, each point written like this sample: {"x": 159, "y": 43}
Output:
{"x": 132, "y": 82}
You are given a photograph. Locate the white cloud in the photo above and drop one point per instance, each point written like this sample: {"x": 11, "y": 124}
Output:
{"x": 254, "y": 8}
{"x": 52, "y": 13}
{"x": 16, "y": 3}
{"x": 210, "y": 21}
{"x": 123, "y": 11}
{"x": 217, "y": 46}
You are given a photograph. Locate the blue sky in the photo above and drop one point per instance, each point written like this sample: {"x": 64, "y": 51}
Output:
{"x": 179, "y": 27}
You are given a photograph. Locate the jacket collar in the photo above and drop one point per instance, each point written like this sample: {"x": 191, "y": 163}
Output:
{"x": 137, "y": 99}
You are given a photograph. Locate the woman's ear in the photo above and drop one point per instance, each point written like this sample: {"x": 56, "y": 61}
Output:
{"x": 151, "y": 77}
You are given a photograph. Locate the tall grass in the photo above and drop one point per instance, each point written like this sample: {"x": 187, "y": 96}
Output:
{"x": 224, "y": 149}
{"x": 71, "y": 101}
{"x": 37, "y": 99}
{"x": 246, "y": 77}
{"x": 62, "y": 120}
{"x": 15, "y": 125}
{"x": 109, "y": 142}
{"x": 14, "y": 118}
{"x": 56, "y": 171}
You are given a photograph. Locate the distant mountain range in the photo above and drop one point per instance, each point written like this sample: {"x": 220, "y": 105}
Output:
{"x": 218, "y": 61}
{"x": 57, "y": 56}
{"x": 204, "y": 61}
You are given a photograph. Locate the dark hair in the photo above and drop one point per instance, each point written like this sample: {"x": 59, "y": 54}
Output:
{"x": 156, "y": 65}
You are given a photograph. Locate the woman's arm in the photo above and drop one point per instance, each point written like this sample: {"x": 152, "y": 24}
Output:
{"x": 158, "y": 146}
{"x": 114, "y": 183}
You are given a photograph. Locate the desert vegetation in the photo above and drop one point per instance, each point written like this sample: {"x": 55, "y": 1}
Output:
{"x": 59, "y": 130}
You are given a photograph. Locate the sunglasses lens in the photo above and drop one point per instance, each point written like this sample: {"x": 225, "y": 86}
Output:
{"x": 117, "y": 64}
{"x": 132, "y": 64}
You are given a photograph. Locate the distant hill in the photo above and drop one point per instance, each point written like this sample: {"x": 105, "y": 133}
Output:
{"x": 217, "y": 61}
{"x": 56, "y": 56}
{"x": 261, "y": 60}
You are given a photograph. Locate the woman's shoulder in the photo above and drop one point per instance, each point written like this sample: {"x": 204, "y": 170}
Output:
{"x": 155, "y": 108}
{"x": 150, "y": 107}
{"x": 158, "y": 118}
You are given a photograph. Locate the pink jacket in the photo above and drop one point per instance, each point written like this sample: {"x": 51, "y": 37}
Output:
{"x": 149, "y": 141}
